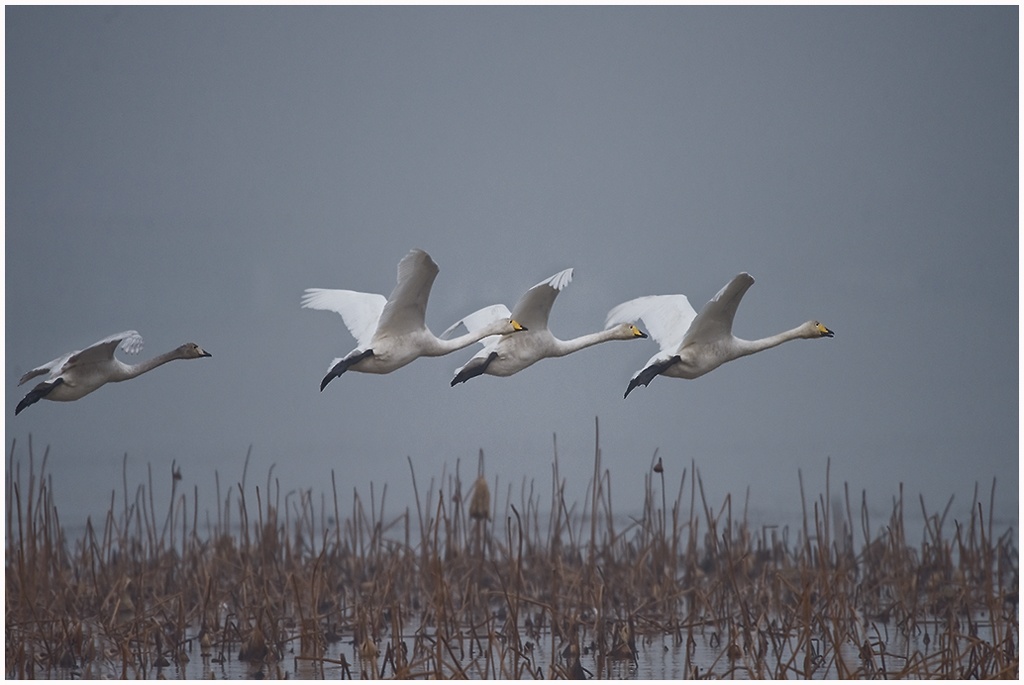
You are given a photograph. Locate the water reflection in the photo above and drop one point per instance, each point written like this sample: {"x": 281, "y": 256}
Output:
{"x": 659, "y": 657}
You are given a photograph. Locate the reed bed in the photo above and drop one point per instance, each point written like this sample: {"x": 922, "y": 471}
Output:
{"x": 468, "y": 585}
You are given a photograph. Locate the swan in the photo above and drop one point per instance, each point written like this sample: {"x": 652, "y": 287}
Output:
{"x": 693, "y": 344}
{"x": 391, "y": 332}
{"x": 505, "y": 355}
{"x": 76, "y": 374}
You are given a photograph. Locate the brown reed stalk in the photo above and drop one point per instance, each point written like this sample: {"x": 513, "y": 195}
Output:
{"x": 553, "y": 599}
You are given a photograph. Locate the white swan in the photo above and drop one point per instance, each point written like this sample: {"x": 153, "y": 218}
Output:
{"x": 505, "y": 355}
{"x": 76, "y": 374}
{"x": 693, "y": 344}
{"x": 391, "y": 332}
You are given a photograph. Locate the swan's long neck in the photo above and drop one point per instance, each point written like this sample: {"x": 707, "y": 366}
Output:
{"x": 439, "y": 347}
{"x": 742, "y": 348}
{"x": 564, "y": 347}
{"x": 132, "y": 370}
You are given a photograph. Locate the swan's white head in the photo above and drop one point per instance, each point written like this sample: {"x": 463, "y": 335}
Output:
{"x": 193, "y": 351}
{"x": 816, "y": 329}
{"x": 626, "y": 331}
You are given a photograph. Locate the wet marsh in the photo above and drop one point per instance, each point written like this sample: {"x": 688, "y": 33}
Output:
{"x": 525, "y": 585}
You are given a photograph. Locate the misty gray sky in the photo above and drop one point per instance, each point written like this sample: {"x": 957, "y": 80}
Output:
{"x": 187, "y": 172}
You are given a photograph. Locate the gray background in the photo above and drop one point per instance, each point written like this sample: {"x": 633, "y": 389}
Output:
{"x": 187, "y": 172}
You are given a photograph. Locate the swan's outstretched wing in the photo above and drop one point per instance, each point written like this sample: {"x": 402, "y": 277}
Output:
{"x": 406, "y": 308}
{"x": 714, "y": 322}
{"x": 99, "y": 351}
{"x": 103, "y": 350}
{"x": 360, "y": 311}
{"x": 48, "y": 367}
{"x": 479, "y": 319}
{"x": 534, "y": 306}
{"x": 667, "y": 318}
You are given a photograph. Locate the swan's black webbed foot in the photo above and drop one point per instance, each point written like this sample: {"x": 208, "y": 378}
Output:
{"x": 37, "y": 393}
{"x": 343, "y": 366}
{"x": 474, "y": 370}
{"x": 647, "y": 375}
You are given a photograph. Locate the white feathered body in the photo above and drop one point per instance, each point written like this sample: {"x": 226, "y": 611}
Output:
{"x": 533, "y": 347}
{"x": 87, "y": 378}
{"x": 391, "y": 352}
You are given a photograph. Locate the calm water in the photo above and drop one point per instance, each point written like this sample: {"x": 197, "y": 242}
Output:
{"x": 660, "y": 657}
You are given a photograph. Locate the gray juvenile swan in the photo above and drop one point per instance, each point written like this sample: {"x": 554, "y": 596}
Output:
{"x": 693, "y": 344}
{"x": 76, "y": 374}
{"x": 391, "y": 332}
{"x": 507, "y": 354}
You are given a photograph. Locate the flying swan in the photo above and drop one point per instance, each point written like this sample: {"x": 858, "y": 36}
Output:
{"x": 693, "y": 344}
{"x": 76, "y": 374}
{"x": 391, "y": 332}
{"x": 505, "y": 355}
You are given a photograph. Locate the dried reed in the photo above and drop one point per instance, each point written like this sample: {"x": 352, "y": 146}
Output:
{"x": 285, "y": 586}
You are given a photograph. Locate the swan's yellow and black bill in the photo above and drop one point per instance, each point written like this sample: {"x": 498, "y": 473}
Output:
{"x": 637, "y": 333}
{"x": 825, "y": 332}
